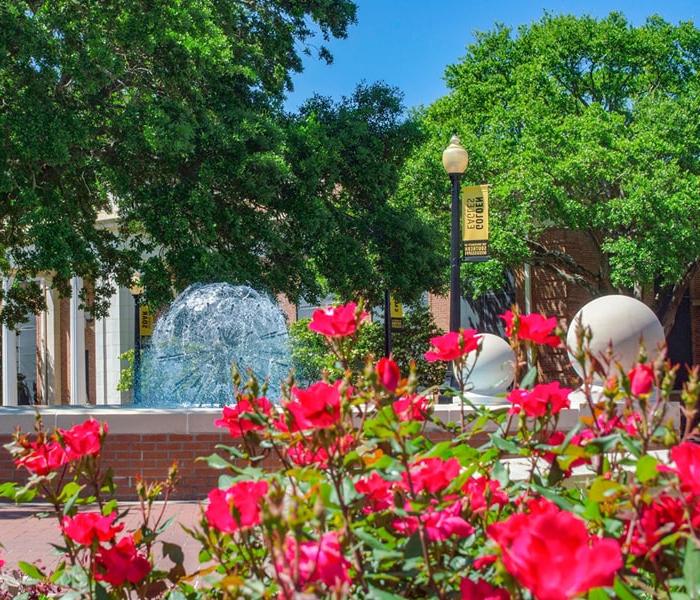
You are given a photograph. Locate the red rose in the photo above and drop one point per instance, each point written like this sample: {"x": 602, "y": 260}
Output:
{"x": 664, "y": 516}
{"x": 240, "y": 419}
{"x": 43, "y": 458}
{"x": 316, "y": 407}
{"x": 318, "y": 561}
{"x": 550, "y": 552}
{"x": 84, "y": 439}
{"x": 85, "y": 528}
{"x": 533, "y": 328}
{"x": 687, "y": 459}
{"x": 481, "y": 590}
{"x": 121, "y": 563}
{"x": 556, "y": 440}
{"x": 337, "y": 321}
{"x": 388, "y": 373}
{"x": 411, "y": 407}
{"x": 627, "y": 423}
{"x": 378, "y": 492}
{"x": 237, "y": 507}
{"x": 453, "y": 345}
{"x": 430, "y": 474}
{"x": 484, "y": 561}
{"x": 641, "y": 379}
{"x": 483, "y": 493}
{"x": 440, "y": 525}
{"x": 304, "y": 456}
{"x": 542, "y": 399}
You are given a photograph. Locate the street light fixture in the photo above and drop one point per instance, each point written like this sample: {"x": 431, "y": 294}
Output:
{"x": 136, "y": 290}
{"x": 455, "y": 160}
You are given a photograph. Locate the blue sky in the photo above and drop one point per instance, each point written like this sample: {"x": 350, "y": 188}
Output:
{"x": 408, "y": 43}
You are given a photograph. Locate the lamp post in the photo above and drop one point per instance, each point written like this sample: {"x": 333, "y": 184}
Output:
{"x": 137, "y": 291}
{"x": 455, "y": 160}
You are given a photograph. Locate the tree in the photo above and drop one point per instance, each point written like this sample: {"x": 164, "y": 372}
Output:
{"x": 173, "y": 113}
{"x": 584, "y": 124}
{"x": 346, "y": 160}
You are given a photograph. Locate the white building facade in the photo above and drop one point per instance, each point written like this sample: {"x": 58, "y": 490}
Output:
{"x": 63, "y": 355}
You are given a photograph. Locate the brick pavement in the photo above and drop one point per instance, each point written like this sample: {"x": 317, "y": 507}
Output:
{"x": 26, "y": 536}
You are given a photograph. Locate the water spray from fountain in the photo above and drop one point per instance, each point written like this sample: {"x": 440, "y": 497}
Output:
{"x": 207, "y": 329}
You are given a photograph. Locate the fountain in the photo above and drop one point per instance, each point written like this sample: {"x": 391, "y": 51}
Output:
{"x": 206, "y": 330}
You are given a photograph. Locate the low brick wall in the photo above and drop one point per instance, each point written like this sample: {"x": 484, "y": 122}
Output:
{"x": 148, "y": 456}
{"x": 145, "y": 442}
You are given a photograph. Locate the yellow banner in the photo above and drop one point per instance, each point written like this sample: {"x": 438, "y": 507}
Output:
{"x": 147, "y": 321}
{"x": 396, "y": 313}
{"x": 475, "y": 221}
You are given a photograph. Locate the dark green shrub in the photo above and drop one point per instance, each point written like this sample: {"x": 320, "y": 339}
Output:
{"x": 310, "y": 355}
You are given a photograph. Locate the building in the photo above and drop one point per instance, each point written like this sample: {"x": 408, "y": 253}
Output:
{"x": 62, "y": 356}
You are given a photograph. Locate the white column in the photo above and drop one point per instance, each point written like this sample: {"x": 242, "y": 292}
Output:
{"x": 78, "y": 393}
{"x": 113, "y": 336}
{"x": 52, "y": 333}
{"x": 9, "y": 360}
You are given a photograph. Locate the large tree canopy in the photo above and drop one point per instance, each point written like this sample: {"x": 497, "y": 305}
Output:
{"x": 584, "y": 124}
{"x": 173, "y": 112}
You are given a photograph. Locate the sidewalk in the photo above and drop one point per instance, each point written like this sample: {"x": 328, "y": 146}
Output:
{"x": 26, "y": 535}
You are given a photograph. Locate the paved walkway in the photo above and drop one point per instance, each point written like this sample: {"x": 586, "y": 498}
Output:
{"x": 26, "y": 534}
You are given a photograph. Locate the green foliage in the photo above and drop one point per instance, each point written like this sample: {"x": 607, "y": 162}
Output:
{"x": 172, "y": 114}
{"x": 577, "y": 123}
{"x": 126, "y": 375}
{"x": 310, "y": 356}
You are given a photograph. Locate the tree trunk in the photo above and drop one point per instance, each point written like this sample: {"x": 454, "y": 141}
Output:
{"x": 667, "y": 306}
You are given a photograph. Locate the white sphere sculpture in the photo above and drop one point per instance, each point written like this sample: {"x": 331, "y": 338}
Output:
{"x": 495, "y": 368}
{"x": 622, "y": 321}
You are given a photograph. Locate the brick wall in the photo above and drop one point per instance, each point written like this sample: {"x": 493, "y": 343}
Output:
{"x": 289, "y": 309}
{"x": 149, "y": 456}
{"x": 440, "y": 307}
{"x": 695, "y": 317}
{"x": 553, "y": 296}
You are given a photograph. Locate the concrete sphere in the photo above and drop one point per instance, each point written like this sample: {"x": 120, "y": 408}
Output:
{"x": 622, "y": 320}
{"x": 495, "y": 367}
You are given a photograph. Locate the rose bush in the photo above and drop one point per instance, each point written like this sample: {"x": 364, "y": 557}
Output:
{"x": 100, "y": 558}
{"x": 374, "y": 496}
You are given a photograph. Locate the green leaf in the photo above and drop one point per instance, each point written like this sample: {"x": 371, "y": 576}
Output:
{"x": 31, "y": 570}
{"x": 110, "y": 507}
{"x": 101, "y": 593}
{"x": 529, "y": 379}
{"x": 691, "y": 569}
{"x": 506, "y": 444}
{"x": 8, "y": 490}
{"x": 603, "y": 489}
{"x": 226, "y": 481}
{"x": 164, "y": 525}
{"x": 646, "y": 468}
{"x": 556, "y": 497}
{"x": 413, "y": 547}
{"x": 173, "y": 552}
{"x": 598, "y": 594}
{"x": 232, "y": 450}
{"x": 383, "y": 595}
{"x": 623, "y": 591}
{"x": 74, "y": 495}
{"x": 216, "y": 461}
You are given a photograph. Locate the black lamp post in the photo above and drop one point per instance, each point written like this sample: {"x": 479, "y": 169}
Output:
{"x": 137, "y": 292}
{"x": 455, "y": 160}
